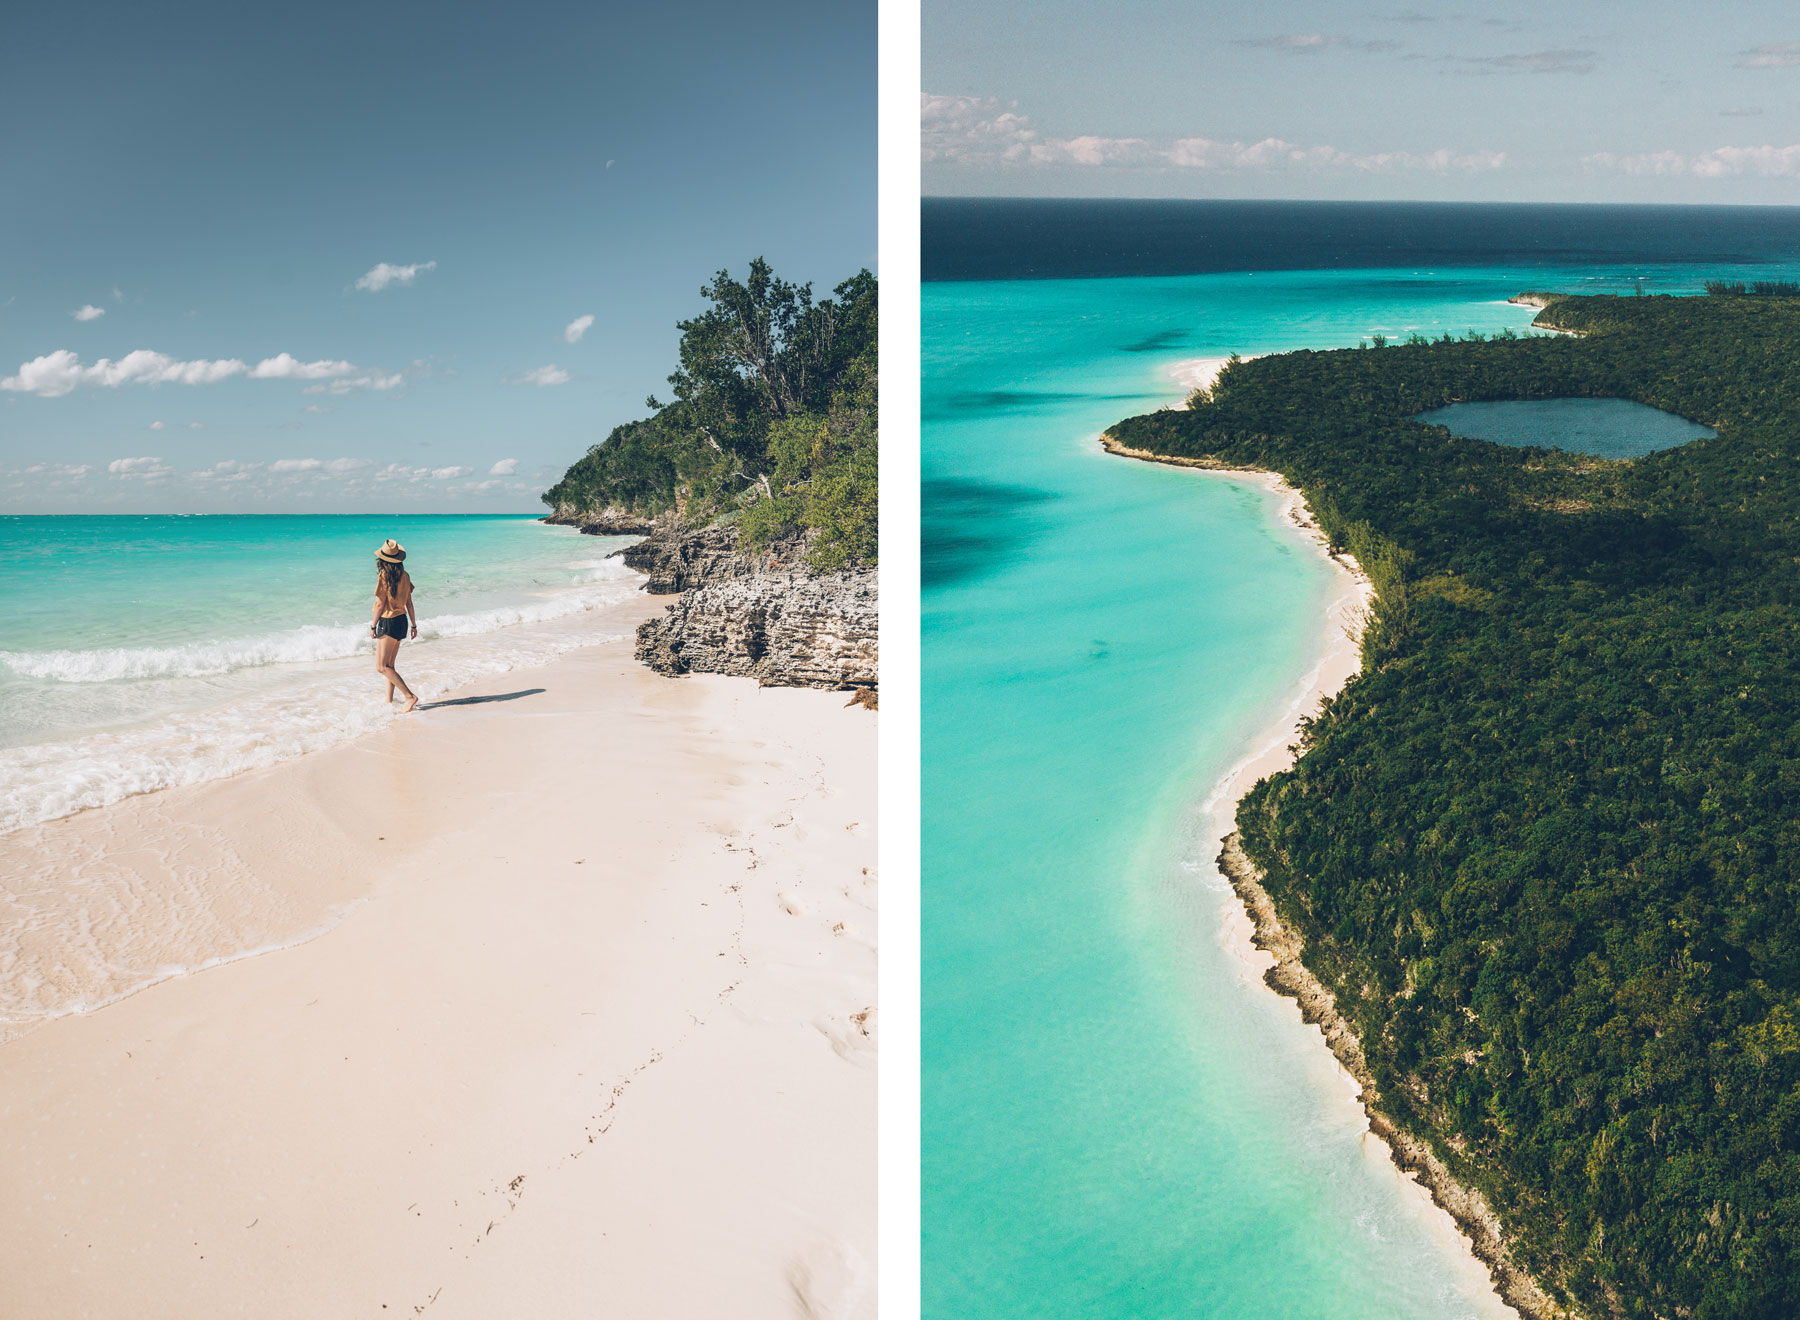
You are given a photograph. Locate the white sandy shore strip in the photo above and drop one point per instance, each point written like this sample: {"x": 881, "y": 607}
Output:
{"x": 1198, "y": 374}
{"x": 597, "y": 1040}
{"x": 1257, "y": 936}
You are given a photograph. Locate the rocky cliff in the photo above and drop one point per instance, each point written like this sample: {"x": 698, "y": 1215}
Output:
{"x": 605, "y": 522}
{"x": 757, "y": 614}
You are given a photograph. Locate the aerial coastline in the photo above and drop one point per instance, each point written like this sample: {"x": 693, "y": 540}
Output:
{"x": 1346, "y": 616}
{"x": 1425, "y": 872}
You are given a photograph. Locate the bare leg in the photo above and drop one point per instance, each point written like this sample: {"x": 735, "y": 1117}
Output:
{"x": 382, "y": 664}
{"x": 386, "y": 649}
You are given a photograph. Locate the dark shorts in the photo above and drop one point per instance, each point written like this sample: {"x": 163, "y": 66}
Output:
{"x": 394, "y": 627}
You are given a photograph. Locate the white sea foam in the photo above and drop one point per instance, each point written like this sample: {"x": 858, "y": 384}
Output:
{"x": 282, "y": 716}
{"x": 295, "y": 645}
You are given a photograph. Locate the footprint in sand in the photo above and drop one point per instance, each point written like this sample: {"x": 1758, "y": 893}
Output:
{"x": 831, "y": 1281}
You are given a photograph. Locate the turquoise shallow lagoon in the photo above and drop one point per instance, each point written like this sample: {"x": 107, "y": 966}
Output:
{"x": 1119, "y": 1119}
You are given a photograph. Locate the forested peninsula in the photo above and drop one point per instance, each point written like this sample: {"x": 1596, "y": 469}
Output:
{"x": 755, "y": 486}
{"x": 1544, "y": 851}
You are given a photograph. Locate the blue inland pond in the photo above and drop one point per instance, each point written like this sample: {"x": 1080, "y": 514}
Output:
{"x": 1604, "y": 428}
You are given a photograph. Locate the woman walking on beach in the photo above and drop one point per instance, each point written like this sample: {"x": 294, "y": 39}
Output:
{"x": 393, "y": 614}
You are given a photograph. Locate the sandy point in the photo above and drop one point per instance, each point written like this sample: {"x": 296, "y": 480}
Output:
{"x": 597, "y": 1037}
{"x": 1198, "y": 374}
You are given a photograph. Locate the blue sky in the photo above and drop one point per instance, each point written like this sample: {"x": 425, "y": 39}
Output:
{"x": 1565, "y": 102}
{"x": 338, "y": 257}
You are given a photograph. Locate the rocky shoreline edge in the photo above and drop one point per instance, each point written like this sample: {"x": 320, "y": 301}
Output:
{"x": 1291, "y": 977}
{"x": 1318, "y": 1007}
{"x": 762, "y": 614}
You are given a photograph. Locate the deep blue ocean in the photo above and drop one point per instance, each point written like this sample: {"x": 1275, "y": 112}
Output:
{"x": 1119, "y": 1119}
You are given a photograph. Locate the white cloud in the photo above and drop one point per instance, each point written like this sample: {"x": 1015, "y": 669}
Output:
{"x": 1721, "y": 162}
{"x": 575, "y": 329}
{"x": 371, "y": 382}
{"x": 284, "y": 366}
{"x": 226, "y": 471}
{"x": 58, "y": 471}
{"x": 449, "y": 473}
{"x": 967, "y": 130}
{"x": 382, "y": 274}
{"x": 196, "y": 426}
{"x": 1538, "y": 61}
{"x": 157, "y": 426}
{"x": 88, "y": 312}
{"x": 1310, "y": 41}
{"x": 118, "y": 294}
{"x": 56, "y": 374}
{"x": 549, "y": 374}
{"x": 140, "y": 469}
{"x": 504, "y": 468}
{"x": 295, "y": 465}
{"x": 1775, "y": 55}
{"x": 962, "y": 128}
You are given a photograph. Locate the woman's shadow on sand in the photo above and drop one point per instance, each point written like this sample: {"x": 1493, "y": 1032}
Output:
{"x": 477, "y": 701}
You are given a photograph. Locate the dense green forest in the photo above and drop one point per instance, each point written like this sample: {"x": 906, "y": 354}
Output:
{"x": 772, "y": 423}
{"x": 1545, "y": 849}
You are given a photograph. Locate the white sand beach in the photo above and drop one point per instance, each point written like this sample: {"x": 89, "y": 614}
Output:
{"x": 593, "y": 1032}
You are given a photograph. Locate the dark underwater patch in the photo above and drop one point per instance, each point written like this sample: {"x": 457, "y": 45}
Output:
{"x": 966, "y": 528}
{"x": 1156, "y": 343}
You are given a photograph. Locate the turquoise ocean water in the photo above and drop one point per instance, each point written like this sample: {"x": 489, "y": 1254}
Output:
{"x": 1119, "y": 1119}
{"x": 141, "y": 652}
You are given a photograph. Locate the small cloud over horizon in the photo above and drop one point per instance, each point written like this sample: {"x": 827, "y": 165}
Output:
{"x": 1774, "y": 55}
{"x": 979, "y": 131}
{"x": 1767, "y": 162}
{"x": 1301, "y": 42}
{"x": 139, "y": 469}
{"x": 1541, "y": 61}
{"x": 88, "y": 312}
{"x": 574, "y": 330}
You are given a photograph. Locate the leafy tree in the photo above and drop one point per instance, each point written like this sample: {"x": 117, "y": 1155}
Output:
{"x": 773, "y": 421}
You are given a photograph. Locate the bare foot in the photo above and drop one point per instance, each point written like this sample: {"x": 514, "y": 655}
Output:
{"x": 410, "y": 703}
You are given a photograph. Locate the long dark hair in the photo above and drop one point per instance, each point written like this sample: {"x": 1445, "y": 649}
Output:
{"x": 387, "y": 579}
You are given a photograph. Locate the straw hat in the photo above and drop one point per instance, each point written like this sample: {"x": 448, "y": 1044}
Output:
{"x": 391, "y": 552}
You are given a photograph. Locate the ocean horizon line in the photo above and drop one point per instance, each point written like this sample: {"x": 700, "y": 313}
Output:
{"x": 1369, "y": 203}
{"x": 369, "y": 513}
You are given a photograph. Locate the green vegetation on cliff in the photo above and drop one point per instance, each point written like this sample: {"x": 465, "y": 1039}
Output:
{"x": 773, "y": 422}
{"x": 1545, "y": 849}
